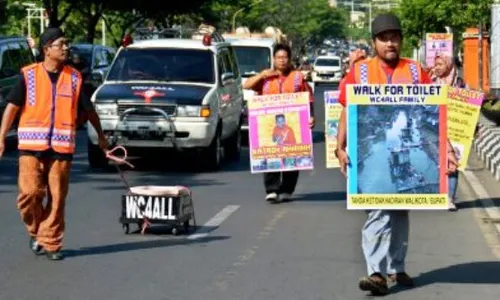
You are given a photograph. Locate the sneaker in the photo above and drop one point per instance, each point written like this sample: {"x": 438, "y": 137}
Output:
{"x": 272, "y": 197}
{"x": 376, "y": 284}
{"x": 285, "y": 197}
{"x": 452, "y": 206}
{"x": 54, "y": 255}
{"x": 402, "y": 279}
{"x": 35, "y": 247}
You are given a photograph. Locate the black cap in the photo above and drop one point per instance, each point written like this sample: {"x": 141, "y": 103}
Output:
{"x": 50, "y": 35}
{"x": 385, "y": 22}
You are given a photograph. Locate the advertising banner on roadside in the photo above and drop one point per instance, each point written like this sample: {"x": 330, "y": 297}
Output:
{"x": 332, "y": 115}
{"x": 464, "y": 107}
{"x": 279, "y": 134}
{"x": 397, "y": 147}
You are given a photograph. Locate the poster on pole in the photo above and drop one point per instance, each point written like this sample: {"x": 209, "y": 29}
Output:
{"x": 397, "y": 147}
{"x": 279, "y": 134}
{"x": 464, "y": 107}
{"x": 332, "y": 115}
{"x": 437, "y": 43}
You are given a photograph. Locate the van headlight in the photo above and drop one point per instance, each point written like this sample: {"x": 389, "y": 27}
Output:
{"x": 106, "y": 109}
{"x": 188, "y": 110}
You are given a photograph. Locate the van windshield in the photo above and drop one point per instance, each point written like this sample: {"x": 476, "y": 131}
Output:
{"x": 252, "y": 60}
{"x": 163, "y": 64}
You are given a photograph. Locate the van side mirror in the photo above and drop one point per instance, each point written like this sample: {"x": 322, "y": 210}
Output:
{"x": 97, "y": 78}
{"x": 227, "y": 78}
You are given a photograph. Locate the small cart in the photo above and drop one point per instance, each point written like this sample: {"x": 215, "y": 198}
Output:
{"x": 152, "y": 204}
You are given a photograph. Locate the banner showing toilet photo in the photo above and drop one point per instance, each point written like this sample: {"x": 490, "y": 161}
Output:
{"x": 397, "y": 147}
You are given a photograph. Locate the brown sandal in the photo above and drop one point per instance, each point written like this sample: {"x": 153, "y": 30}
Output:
{"x": 376, "y": 284}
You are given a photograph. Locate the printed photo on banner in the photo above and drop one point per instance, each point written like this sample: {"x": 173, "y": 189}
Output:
{"x": 279, "y": 134}
{"x": 332, "y": 115}
{"x": 396, "y": 142}
{"x": 464, "y": 107}
{"x": 437, "y": 43}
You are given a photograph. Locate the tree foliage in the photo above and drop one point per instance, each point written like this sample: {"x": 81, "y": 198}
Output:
{"x": 423, "y": 16}
{"x": 304, "y": 22}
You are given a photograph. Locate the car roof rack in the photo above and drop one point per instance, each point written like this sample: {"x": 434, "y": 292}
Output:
{"x": 145, "y": 33}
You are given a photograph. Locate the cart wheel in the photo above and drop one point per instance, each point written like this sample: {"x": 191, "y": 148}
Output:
{"x": 175, "y": 231}
{"x": 126, "y": 228}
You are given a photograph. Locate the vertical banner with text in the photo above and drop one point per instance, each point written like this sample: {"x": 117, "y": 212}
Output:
{"x": 332, "y": 115}
{"x": 437, "y": 43}
{"x": 397, "y": 146}
{"x": 464, "y": 107}
{"x": 279, "y": 134}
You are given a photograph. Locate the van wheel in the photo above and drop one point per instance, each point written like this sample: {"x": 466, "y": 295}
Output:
{"x": 97, "y": 158}
{"x": 214, "y": 154}
{"x": 233, "y": 145}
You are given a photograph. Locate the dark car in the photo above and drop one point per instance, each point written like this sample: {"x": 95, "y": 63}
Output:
{"x": 15, "y": 53}
{"x": 97, "y": 59}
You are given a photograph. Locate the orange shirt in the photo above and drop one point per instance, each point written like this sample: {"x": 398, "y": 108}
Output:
{"x": 284, "y": 135}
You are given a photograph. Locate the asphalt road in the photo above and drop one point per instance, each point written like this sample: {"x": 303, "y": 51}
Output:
{"x": 305, "y": 249}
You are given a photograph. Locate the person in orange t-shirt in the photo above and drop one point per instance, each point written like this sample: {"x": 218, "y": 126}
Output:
{"x": 282, "y": 133}
{"x": 385, "y": 234}
{"x": 281, "y": 79}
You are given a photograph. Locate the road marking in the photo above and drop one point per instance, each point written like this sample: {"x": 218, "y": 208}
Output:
{"x": 491, "y": 211}
{"x": 223, "y": 282}
{"x": 215, "y": 221}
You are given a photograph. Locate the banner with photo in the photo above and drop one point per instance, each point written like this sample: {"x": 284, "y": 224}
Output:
{"x": 464, "y": 107}
{"x": 396, "y": 142}
{"x": 437, "y": 43}
{"x": 279, "y": 134}
{"x": 332, "y": 115}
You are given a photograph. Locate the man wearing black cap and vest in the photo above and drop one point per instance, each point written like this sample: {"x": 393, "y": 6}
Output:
{"x": 385, "y": 233}
{"x": 49, "y": 98}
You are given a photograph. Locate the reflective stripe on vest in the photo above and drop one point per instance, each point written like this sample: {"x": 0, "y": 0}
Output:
{"x": 48, "y": 119}
{"x": 31, "y": 88}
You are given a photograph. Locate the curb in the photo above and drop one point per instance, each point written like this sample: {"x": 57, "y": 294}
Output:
{"x": 492, "y": 212}
{"x": 487, "y": 145}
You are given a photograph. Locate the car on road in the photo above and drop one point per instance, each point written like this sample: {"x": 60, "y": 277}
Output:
{"x": 98, "y": 59}
{"x": 15, "y": 53}
{"x": 254, "y": 55}
{"x": 327, "y": 69}
{"x": 181, "y": 94}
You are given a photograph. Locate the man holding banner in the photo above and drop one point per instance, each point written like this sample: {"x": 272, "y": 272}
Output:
{"x": 280, "y": 80}
{"x": 385, "y": 233}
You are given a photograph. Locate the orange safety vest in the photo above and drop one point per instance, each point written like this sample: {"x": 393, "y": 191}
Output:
{"x": 276, "y": 85}
{"x": 369, "y": 71}
{"x": 48, "y": 118}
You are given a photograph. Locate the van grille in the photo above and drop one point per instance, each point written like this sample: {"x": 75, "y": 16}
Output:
{"x": 144, "y": 114}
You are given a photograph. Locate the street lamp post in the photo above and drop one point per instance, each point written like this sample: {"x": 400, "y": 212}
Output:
{"x": 241, "y": 10}
{"x": 34, "y": 12}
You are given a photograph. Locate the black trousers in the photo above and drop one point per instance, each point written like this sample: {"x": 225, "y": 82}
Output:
{"x": 281, "y": 182}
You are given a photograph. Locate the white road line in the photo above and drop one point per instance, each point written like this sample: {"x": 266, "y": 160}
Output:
{"x": 215, "y": 221}
{"x": 492, "y": 211}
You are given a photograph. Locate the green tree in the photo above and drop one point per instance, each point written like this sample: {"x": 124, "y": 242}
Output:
{"x": 422, "y": 16}
{"x": 304, "y": 22}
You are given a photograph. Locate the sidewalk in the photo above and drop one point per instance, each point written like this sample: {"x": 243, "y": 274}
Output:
{"x": 485, "y": 187}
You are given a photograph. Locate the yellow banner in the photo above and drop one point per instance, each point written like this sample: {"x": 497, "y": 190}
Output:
{"x": 395, "y": 202}
{"x": 464, "y": 107}
{"x": 400, "y": 94}
{"x": 333, "y": 110}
